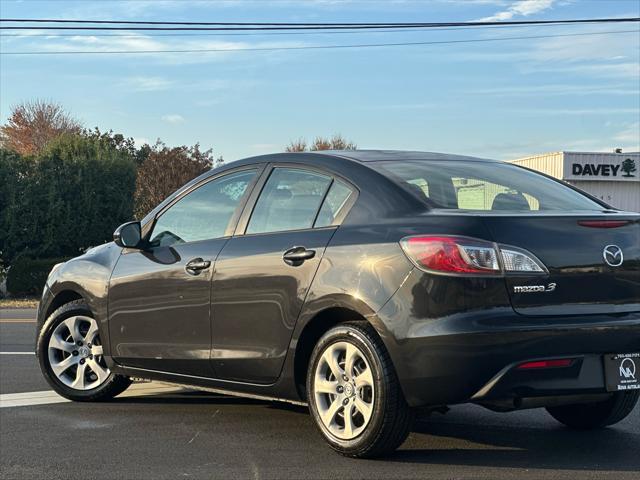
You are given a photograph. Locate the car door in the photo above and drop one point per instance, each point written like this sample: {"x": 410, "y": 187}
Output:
{"x": 159, "y": 298}
{"x": 263, "y": 273}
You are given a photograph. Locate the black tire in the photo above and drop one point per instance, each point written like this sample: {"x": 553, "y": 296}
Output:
{"x": 391, "y": 418}
{"x": 112, "y": 386}
{"x": 596, "y": 415}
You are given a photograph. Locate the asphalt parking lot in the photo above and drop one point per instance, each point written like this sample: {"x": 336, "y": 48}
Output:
{"x": 160, "y": 431}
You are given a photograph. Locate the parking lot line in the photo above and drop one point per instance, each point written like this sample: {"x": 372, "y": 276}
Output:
{"x": 17, "y": 353}
{"x": 17, "y": 320}
{"x": 50, "y": 397}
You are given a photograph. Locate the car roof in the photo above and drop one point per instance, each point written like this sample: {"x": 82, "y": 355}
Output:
{"x": 395, "y": 155}
{"x": 360, "y": 156}
{"x": 336, "y": 157}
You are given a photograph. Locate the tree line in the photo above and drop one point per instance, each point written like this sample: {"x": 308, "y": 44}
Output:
{"x": 64, "y": 188}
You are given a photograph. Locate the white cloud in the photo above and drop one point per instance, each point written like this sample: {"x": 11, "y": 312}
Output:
{"x": 609, "y": 70}
{"x": 402, "y": 106}
{"x": 630, "y": 135}
{"x": 173, "y": 118}
{"x": 522, "y": 8}
{"x": 592, "y": 54}
{"x": 557, "y": 90}
{"x": 579, "y": 111}
{"x": 147, "y": 84}
{"x": 594, "y": 45}
{"x": 165, "y": 50}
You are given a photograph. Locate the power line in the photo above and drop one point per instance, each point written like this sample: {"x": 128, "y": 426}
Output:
{"x": 235, "y": 26}
{"x": 324, "y": 32}
{"x": 313, "y": 47}
{"x": 321, "y": 24}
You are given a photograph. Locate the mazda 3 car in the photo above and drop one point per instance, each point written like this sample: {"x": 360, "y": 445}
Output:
{"x": 365, "y": 284}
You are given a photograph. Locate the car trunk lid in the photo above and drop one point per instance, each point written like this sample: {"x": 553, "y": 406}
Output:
{"x": 572, "y": 247}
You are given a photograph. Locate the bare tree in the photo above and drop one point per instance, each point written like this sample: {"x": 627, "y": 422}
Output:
{"x": 299, "y": 145}
{"x": 32, "y": 125}
{"x": 165, "y": 170}
{"x": 336, "y": 142}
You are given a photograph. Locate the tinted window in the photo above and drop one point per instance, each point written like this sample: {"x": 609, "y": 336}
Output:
{"x": 485, "y": 186}
{"x": 333, "y": 204}
{"x": 289, "y": 201}
{"x": 204, "y": 213}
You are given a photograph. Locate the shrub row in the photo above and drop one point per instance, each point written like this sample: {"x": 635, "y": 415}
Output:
{"x": 27, "y": 276}
{"x": 64, "y": 200}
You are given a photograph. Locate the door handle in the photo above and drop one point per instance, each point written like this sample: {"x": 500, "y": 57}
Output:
{"x": 296, "y": 256}
{"x": 196, "y": 265}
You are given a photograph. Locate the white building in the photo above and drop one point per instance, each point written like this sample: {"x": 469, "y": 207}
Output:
{"x": 612, "y": 177}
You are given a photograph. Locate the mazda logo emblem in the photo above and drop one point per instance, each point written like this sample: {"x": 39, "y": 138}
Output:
{"x": 613, "y": 255}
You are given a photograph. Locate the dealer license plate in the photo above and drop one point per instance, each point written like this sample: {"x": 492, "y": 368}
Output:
{"x": 622, "y": 371}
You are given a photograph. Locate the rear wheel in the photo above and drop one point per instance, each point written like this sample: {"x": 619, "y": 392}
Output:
{"x": 354, "y": 395}
{"x": 71, "y": 357}
{"x": 596, "y": 415}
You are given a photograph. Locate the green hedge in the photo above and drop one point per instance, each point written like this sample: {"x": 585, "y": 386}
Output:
{"x": 69, "y": 197}
{"x": 27, "y": 276}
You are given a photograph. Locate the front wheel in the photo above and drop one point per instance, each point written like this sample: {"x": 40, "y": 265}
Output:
{"x": 354, "y": 395}
{"x": 71, "y": 357}
{"x": 596, "y": 415}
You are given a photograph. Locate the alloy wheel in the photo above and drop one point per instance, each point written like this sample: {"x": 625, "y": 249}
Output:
{"x": 75, "y": 353}
{"x": 344, "y": 390}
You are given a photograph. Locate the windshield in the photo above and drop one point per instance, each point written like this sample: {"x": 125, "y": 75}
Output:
{"x": 471, "y": 185}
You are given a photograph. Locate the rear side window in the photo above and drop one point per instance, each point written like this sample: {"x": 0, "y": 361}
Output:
{"x": 204, "y": 213}
{"x": 289, "y": 201}
{"x": 333, "y": 204}
{"x": 470, "y": 185}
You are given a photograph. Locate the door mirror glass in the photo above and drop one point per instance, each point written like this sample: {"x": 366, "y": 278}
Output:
{"x": 128, "y": 235}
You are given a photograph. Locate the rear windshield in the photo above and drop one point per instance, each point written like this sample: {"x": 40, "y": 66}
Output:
{"x": 469, "y": 185}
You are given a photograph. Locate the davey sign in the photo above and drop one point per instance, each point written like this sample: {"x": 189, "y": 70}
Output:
{"x": 603, "y": 167}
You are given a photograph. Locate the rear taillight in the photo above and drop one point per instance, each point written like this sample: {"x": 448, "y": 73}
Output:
{"x": 519, "y": 261}
{"x": 454, "y": 254}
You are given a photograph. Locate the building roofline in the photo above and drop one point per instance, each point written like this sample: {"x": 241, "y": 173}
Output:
{"x": 572, "y": 152}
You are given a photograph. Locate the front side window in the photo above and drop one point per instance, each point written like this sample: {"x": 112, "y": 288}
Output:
{"x": 471, "y": 185}
{"x": 204, "y": 213}
{"x": 289, "y": 201}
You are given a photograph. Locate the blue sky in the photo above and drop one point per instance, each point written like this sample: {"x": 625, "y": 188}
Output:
{"x": 495, "y": 99}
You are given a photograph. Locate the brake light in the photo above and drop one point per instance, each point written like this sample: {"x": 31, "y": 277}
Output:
{"x": 603, "y": 223}
{"x": 452, "y": 254}
{"x": 538, "y": 364}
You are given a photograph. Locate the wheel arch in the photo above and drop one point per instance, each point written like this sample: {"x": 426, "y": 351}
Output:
{"x": 61, "y": 298}
{"x": 317, "y": 325}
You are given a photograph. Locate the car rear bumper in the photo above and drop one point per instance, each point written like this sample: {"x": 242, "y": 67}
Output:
{"x": 473, "y": 356}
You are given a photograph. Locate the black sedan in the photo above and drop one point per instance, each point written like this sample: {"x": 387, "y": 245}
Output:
{"x": 365, "y": 284}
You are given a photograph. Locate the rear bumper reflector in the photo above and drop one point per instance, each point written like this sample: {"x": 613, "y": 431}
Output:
{"x": 538, "y": 364}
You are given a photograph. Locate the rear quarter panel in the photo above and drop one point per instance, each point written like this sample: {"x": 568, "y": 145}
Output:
{"x": 364, "y": 266}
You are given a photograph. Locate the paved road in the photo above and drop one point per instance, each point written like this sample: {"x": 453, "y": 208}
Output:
{"x": 189, "y": 434}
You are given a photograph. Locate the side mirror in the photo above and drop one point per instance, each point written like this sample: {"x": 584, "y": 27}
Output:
{"x": 128, "y": 235}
